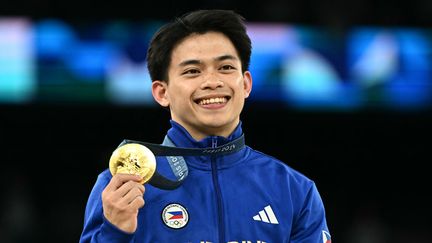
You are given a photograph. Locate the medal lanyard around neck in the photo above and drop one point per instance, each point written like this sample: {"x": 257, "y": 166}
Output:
{"x": 176, "y": 161}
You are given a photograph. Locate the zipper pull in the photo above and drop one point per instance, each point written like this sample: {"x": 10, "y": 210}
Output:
{"x": 214, "y": 142}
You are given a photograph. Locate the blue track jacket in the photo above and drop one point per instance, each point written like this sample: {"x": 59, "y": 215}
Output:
{"x": 243, "y": 197}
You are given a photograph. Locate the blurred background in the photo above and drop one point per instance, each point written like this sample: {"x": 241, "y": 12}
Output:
{"x": 342, "y": 92}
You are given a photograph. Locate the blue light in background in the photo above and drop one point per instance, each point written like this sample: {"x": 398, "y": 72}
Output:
{"x": 392, "y": 66}
{"x": 300, "y": 67}
{"x": 129, "y": 84}
{"x": 270, "y": 45}
{"x": 17, "y": 81}
{"x": 90, "y": 61}
{"x": 128, "y": 80}
{"x": 413, "y": 86}
{"x": 372, "y": 57}
{"x": 311, "y": 80}
{"x": 53, "y": 38}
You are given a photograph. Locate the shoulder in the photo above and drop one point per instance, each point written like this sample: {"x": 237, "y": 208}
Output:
{"x": 285, "y": 183}
{"x": 279, "y": 170}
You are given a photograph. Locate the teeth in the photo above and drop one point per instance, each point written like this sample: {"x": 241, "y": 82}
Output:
{"x": 219, "y": 100}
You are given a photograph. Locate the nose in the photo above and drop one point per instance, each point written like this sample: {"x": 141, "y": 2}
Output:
{"x": 211, "y": 81}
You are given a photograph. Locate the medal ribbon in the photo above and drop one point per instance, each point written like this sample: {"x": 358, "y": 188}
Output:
{"x": 176, "y": 161}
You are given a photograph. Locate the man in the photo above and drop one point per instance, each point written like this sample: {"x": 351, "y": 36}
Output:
{"x": 199, "y": 67}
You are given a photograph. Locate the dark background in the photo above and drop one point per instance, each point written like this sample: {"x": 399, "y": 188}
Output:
{"x": 335, "y": 13}
{"x": 371, "y": 166}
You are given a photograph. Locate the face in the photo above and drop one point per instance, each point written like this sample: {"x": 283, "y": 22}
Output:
{"x": 206, "y": 88}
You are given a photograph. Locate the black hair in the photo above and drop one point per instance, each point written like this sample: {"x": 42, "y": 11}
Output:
{"x": 227, "y": 22}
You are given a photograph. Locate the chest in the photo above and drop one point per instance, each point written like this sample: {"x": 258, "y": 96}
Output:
{"x": 215, "y": 207}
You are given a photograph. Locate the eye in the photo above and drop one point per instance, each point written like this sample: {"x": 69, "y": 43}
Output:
{"x": 191, "y": 72}
{"x": 227, "y": 67}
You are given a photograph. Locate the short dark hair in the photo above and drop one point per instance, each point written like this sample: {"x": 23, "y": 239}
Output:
{"x": 227, "y": 22}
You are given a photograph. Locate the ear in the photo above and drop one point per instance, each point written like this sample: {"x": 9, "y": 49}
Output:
{"x": 159, "y": 92}
{"x": 247, "y": 83}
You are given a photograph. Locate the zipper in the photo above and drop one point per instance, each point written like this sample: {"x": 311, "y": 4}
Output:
{"x": 221, "y": 226}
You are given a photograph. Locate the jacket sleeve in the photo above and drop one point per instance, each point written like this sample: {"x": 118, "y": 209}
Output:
{"x": 310, "y": 226}
{"x": 96, "y": 227}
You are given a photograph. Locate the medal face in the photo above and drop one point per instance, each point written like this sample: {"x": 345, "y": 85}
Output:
{"x": 133, "y": 159}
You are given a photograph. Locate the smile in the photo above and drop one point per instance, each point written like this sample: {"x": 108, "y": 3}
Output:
{"x": 209, "y": 101}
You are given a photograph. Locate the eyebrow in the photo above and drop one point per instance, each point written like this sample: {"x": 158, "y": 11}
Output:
{"x": 226, "y": 57}
{"x": 197, "y": 62}
{"x": 190, "y": 62}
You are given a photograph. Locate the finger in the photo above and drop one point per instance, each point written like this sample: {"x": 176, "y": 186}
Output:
{"x": 139, "y": 186}
{"x": 137, "y": 203}
{"x": 130, "y": 196}
{"x": 119, "y": 179}
{"x": 127, "y": 187}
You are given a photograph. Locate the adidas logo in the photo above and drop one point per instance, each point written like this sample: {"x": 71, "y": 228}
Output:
{"x": 266, "y": 216}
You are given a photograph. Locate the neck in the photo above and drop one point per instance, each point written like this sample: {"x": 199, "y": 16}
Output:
{"x": 199, "y": 134}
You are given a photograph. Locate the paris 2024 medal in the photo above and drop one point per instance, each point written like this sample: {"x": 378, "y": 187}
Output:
{"x": 133, "y": 158}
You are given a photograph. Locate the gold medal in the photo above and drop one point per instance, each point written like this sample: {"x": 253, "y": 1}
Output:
{"x": 133, "y": 159}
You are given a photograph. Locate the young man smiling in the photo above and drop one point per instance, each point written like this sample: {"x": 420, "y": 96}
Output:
{"x": 206, "y": 85}
{"x": 199, "y": 67}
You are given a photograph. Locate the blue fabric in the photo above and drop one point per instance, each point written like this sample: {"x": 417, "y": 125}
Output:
{"x": 222, "y": 196}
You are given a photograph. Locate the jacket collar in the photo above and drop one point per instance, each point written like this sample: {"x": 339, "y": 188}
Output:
{"x": 181, "y": 138}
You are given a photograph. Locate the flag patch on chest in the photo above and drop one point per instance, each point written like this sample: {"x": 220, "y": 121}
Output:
{"x": 175, "y": 216}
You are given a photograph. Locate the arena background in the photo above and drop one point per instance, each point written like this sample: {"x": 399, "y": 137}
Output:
{"x": 370, "y": 165}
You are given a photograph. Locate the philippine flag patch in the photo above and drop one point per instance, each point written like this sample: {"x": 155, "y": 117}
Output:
{"x": 326, "y": 237}
{"x": 175, "y": 216}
